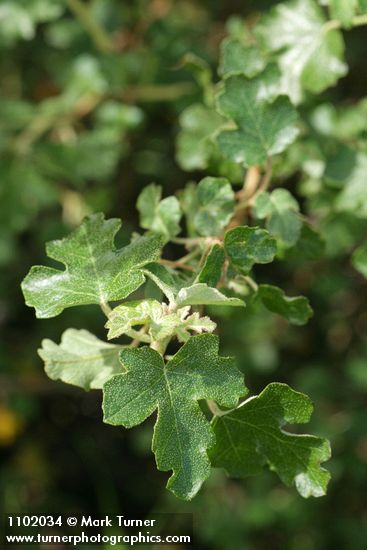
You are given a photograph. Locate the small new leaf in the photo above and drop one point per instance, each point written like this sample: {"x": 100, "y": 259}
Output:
{"x": 161, "y": 321}
{"x": 265, "y": 126}
{"x": 246, "y": 246}
{"x": 195, "y": 145}
{"x": 80, "y": 359}
{"x": 215, "y": 203}
{"x": 182, "y": 434}
{"x": 251, "y": 436}
{"x": 296, "y": 310}
{"x": 95, "y": 271}
{"x": 281, "y": 212}
{"x": 159, "y": 216}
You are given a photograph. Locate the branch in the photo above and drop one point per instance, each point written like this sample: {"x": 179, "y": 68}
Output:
{"x": 97, "y": 33}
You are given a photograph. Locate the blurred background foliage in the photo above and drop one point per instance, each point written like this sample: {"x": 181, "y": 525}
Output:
{"x": 92, "y": 101}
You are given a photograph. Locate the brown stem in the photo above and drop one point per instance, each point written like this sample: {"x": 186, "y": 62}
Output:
{"x": 250, "y": 185}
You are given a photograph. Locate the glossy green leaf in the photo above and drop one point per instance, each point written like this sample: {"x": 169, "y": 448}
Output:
{"x": 265, "y": 123}
{"x": 251, "y": 436}
{"x": 95, "y": 271}
{"x": 210, "y": 273}
{"x": 296, "y": 310}
{"x": 281, "y": 211}
{"x": 202, "y": 294}
{"x": 310, "y": 55}
{"x": 182, "y": 434}
{"x": 159, "y": 216}
{"x": 246, "y": 246}
{"x": 80, "y": 359}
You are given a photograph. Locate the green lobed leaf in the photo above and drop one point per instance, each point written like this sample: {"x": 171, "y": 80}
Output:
{"x": 182, "y": 434}
{"x": 81, "y": 359}
{"x": 202, "y": 294}
{"x": 247, "y": 246}
{"x": 251, "y": 436}
{"x": 310, "y": 56}
{"x": 211, "y": 271}
{"x": 195, "y": 140}
{"x": 281, "y": 211}
{"x": 359, "y": 259}
{"x": 296, "y": 310}
{"x": 95, "y": 271}
{"x": 160, "y": 216}
{"x": 344, "y": 11}
{"x": 265, "y": 123}
{"x": 237, "y": 57}
{"x": 215, "y": 203}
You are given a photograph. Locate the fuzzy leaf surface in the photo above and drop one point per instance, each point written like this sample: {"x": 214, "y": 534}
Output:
{"x": 310, "y": 56}
{"x": 281, "y": 211}
{"x": 296, "y": 310}
{"x": 237, "y": 57}
{"x": 215, "y": 206}
{"x": 251, "y": 436}
{"x": 182, "y": 434}
{"x": 265, "y": 123}
{"x": 211, "y": 271}
{"x": 95, "y": 272}
{"x": 202, "y": 294}
{"x": 246, "y": 246}
{"x": 81, "y": 359}
{"x": 159, "y": 216}
{"x": 161, "y": 321}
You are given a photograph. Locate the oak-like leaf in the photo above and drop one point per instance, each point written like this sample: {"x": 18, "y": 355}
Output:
{"x": 265, "y": 122}
{"x": 182, "y": 434}
{"x": 252, "y": 435}
{"x": 311, "y": 55}
{"x": 95, "y": 272}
